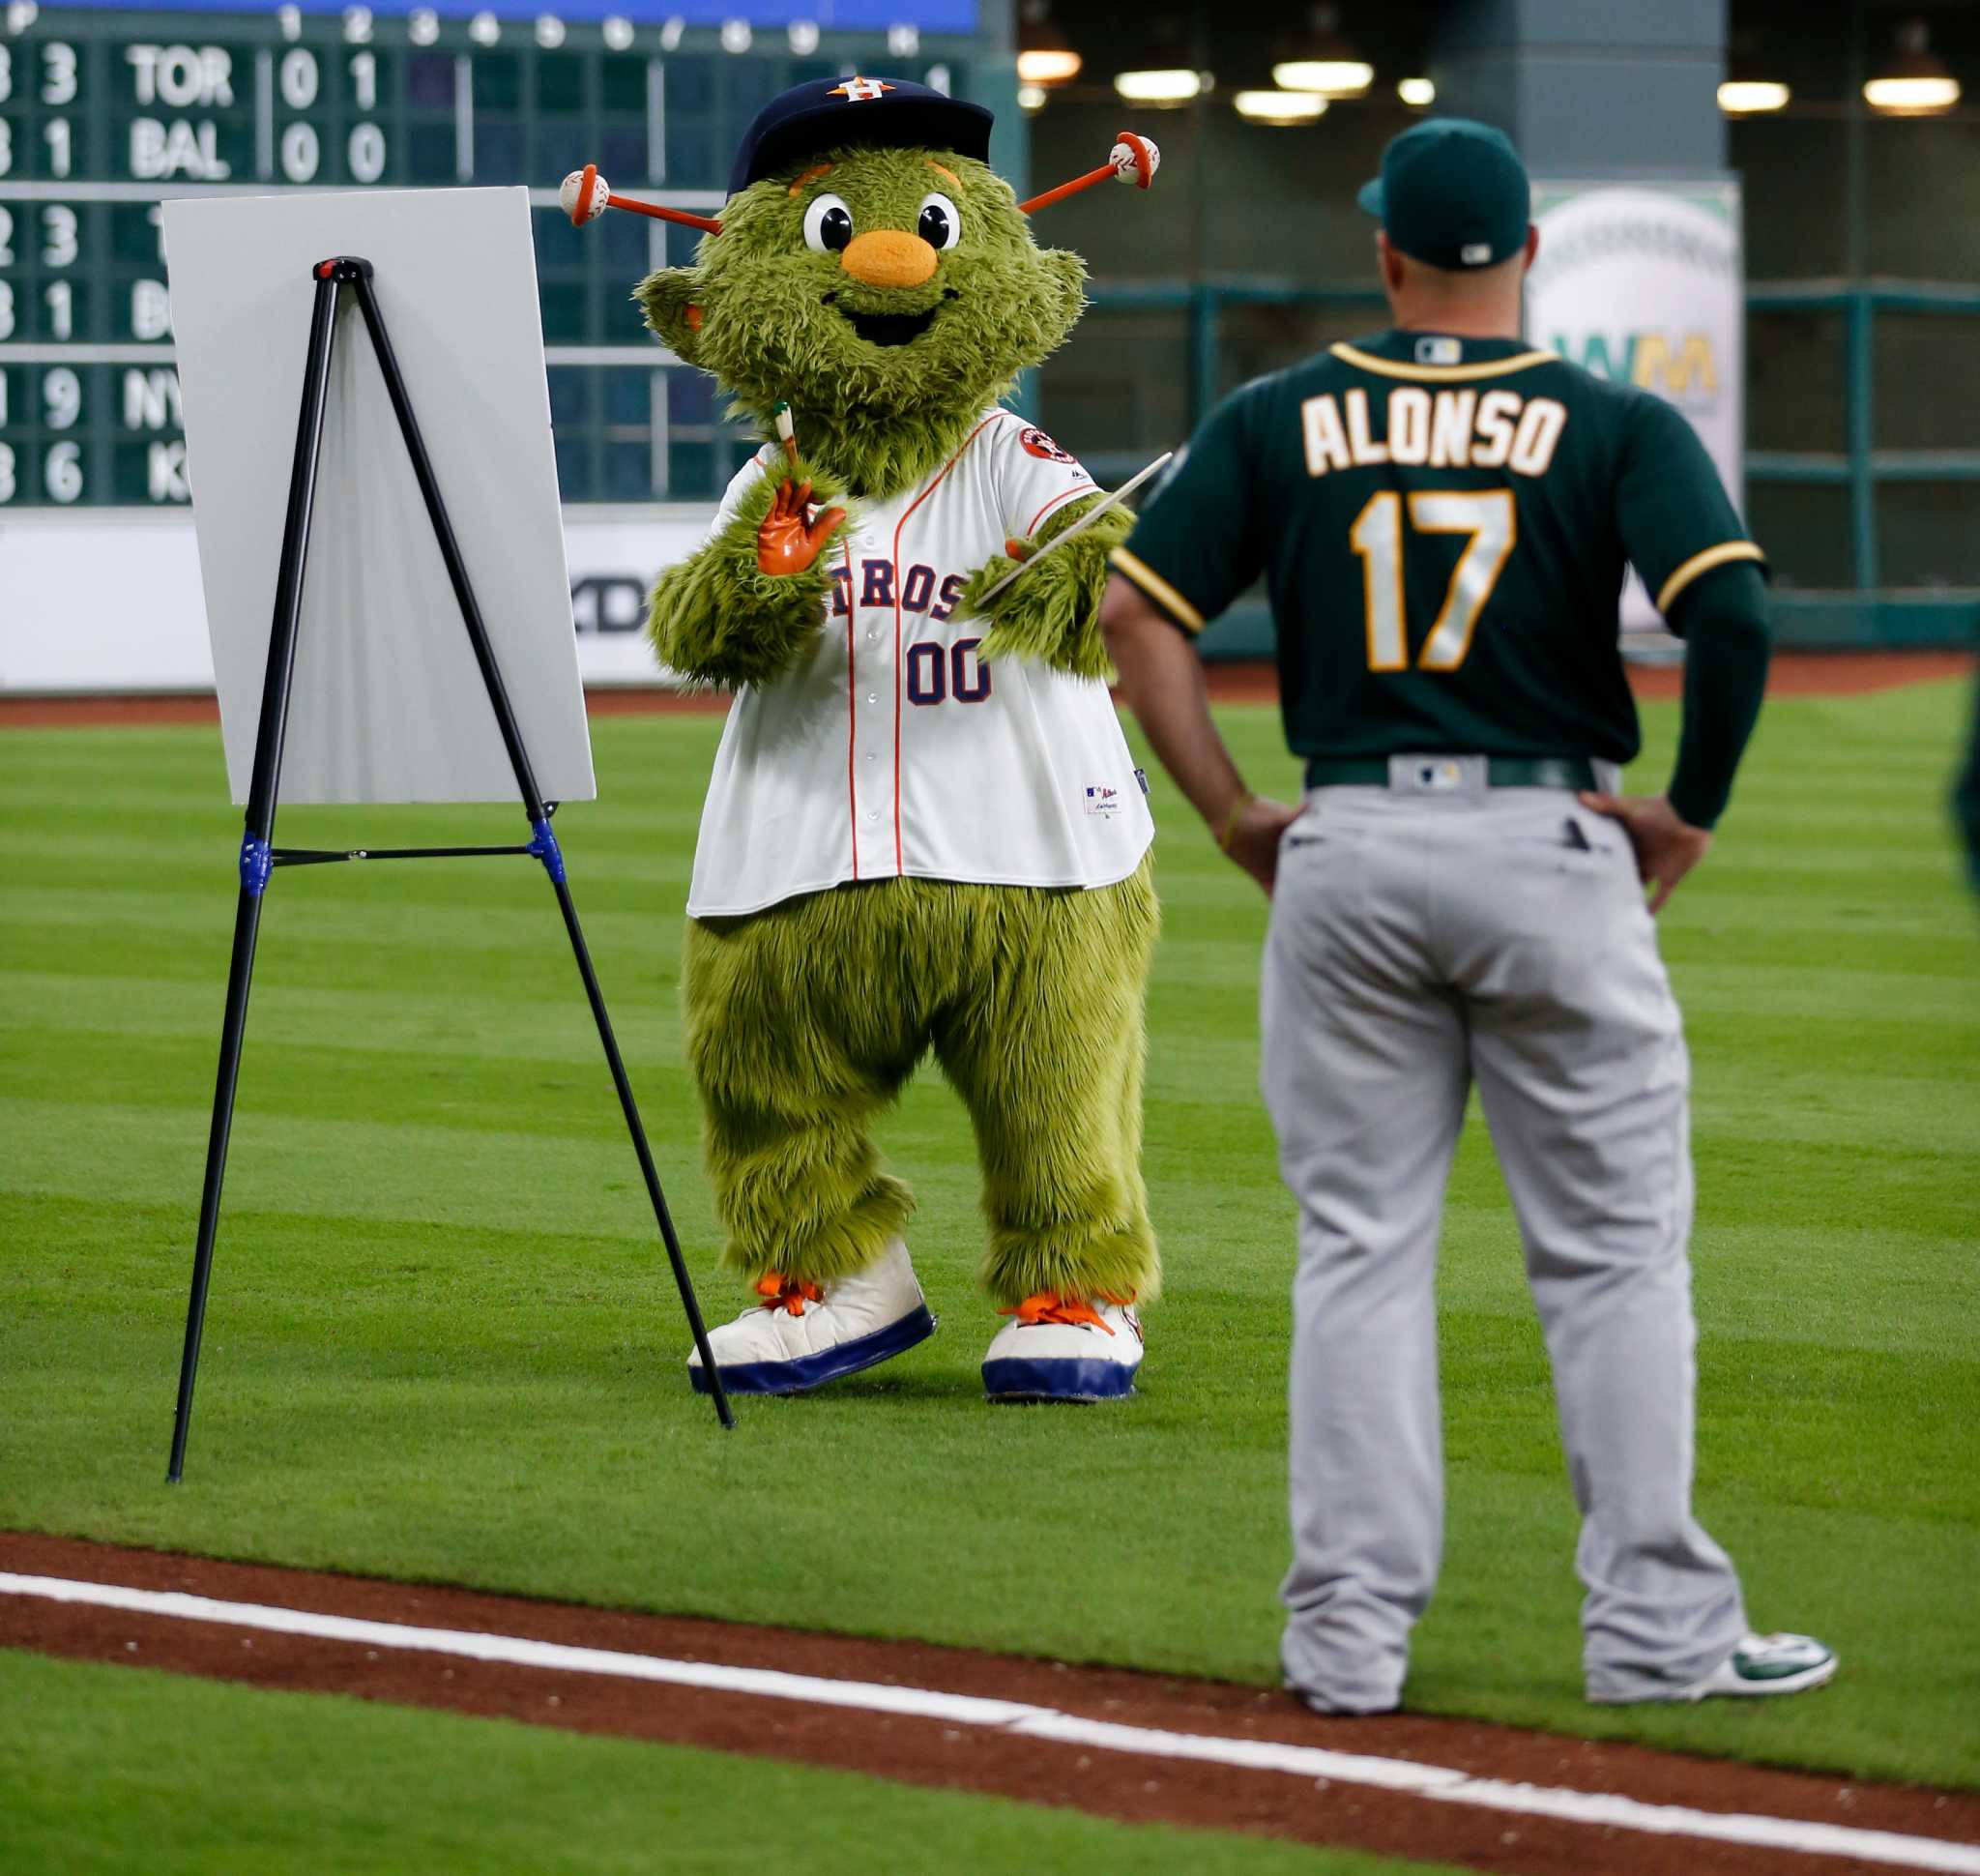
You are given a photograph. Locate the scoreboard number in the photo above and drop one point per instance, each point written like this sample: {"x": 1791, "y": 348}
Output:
{"x": 58, "y": 73}
{"x": 62, "y": 394}
{"x": 62, "y": 477}
{"x": 59, "y": 244}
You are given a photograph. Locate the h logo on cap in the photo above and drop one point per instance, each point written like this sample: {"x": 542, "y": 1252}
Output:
{"x": 857, "y": 90}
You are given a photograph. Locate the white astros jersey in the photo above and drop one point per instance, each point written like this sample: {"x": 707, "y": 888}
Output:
{"x": 893, "y": 748}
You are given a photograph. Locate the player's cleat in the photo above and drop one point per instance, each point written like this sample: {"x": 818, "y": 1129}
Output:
{"x": 804, "y": 1334}
{"x": 1058, "y": 1348}
{"x": 1761, "y": 1664}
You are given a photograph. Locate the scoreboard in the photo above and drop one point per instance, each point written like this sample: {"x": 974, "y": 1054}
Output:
{"x": 107, "y": 114}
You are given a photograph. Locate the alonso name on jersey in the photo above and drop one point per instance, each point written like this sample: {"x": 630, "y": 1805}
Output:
{"x": 894, "y": 748}
{"x": 1446, "y": 430}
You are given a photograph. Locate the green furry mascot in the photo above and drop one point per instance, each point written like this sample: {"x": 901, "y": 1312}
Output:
{"x": 924, "y": 831}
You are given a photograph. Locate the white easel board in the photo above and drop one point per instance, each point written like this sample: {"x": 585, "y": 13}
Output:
{"x": 388, "y": 704}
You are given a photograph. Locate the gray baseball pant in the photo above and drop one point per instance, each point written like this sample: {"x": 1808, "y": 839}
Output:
{"x": 1425, "y": 936}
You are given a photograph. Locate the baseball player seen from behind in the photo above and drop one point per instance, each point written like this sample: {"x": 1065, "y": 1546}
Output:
{"x": 1443, "y": 516}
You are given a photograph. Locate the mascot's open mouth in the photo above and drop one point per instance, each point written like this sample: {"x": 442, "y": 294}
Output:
{"x": 888, "y": 328}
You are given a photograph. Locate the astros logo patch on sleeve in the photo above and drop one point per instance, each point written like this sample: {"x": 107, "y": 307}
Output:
{"x": 1037, "y": 443}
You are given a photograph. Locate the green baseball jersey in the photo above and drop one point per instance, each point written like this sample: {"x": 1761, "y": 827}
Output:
{"x": 1444, "y": 525}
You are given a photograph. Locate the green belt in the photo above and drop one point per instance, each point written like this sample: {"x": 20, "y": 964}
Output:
{"x": 1500, "y": 772}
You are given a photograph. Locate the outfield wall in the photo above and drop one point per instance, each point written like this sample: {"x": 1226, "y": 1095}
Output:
{"x": 109, "y": 599}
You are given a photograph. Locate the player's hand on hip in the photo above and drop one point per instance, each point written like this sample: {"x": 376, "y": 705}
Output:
{"x": 1667, "y": 846}
{"x": 786, "y": 541}
{"x": 1253, "y": 834}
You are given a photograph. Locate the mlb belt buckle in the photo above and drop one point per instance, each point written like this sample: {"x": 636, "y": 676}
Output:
{"x": 1433, "y": 774}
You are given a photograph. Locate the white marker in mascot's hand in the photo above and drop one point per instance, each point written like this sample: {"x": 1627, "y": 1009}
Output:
{"x": 1086, "y": 520}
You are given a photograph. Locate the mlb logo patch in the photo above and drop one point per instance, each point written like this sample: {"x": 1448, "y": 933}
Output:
{"x": 1103, "y": 800}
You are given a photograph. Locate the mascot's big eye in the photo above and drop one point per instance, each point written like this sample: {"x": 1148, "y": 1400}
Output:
{"x": 828, "y": 224}
{"x": 941, "y": 223}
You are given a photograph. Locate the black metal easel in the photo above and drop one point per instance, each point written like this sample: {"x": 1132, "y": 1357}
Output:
{"x": 259, "y": 858}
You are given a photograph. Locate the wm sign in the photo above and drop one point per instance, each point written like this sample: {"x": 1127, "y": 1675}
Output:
{"x": 1651, "y": 361}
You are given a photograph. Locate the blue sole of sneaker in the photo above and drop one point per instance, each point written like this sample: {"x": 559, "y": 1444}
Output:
{"x": 828, "y": 1365}
{"x": 1021, "y": 1380}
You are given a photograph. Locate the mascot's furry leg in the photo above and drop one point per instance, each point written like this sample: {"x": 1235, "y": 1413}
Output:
{"x": 797, "y": 1040}
{"x": 803, "y": 1023}
{"x": 1045, "y": 1043}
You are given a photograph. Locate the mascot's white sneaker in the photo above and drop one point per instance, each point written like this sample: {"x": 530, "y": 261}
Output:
{"x": 1057, "y": 1348}
{"x": 801, "y": 1336}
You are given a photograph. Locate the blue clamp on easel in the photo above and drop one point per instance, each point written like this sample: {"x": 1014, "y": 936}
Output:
{"x": 257, "y": 862}
{"x": 545, "y": 848}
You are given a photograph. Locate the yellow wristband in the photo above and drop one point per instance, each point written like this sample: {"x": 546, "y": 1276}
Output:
{"x": 1242, "y": 801}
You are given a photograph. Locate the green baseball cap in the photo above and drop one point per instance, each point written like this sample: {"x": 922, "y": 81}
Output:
{"x": 1452, "y": 193}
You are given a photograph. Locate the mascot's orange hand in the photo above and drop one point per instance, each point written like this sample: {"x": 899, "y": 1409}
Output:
{"x": 786, "y": 543}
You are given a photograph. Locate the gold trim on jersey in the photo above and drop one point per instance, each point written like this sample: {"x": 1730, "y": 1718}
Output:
{"x": 1440, "y": 373}
{"x": 1158, "y": 589}
{"x": 1703, "y": 563}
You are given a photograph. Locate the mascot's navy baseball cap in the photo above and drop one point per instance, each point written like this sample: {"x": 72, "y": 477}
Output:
{"x": 831, "y": 113}
{"x": 1452, "y": 193}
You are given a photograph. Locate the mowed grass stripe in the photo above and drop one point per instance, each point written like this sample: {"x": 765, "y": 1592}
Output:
{"x": 443, "y": 1342}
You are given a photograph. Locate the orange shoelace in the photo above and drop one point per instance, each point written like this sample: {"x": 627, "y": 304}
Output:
{"x": 1048, "y": 1305}
{"x": 789, "y": 1294}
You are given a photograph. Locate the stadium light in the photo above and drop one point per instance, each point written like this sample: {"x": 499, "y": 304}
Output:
{"x": 736, "y": 35}
{"x": 423, "y": 27}
{"x": 1748, "y": 97}
{"x": 1170, "y": 85}
{"x": 484, "y": 29}
{"x": 1917, "y": 82}
{"x": 1280, "y": 106}
{"x": 549, "y": 31}
{"x": 1325, "y": 62}
{"x": 617, "y": 32}
{"x": 1419, "y": 94}
{"x": 804, "y": 36}
{"x": 1044, "y": 55}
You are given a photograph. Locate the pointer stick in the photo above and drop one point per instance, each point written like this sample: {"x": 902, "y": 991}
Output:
{"x": 1086, "y": 520}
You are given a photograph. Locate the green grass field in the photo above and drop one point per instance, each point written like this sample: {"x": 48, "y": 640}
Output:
{"x": 443, "y": 1342}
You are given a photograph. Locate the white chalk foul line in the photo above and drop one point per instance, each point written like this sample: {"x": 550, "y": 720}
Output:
{"x": 1441, "y": 1785}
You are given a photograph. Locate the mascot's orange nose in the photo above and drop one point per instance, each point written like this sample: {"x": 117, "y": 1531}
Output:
{"x": 888, "y": 257}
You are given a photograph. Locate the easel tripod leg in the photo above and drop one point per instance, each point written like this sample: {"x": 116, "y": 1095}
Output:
{"x": 545, "y": 845}
{"x": 665, "y": 1217}
{"x": 260, "y": 820}
{"x": 247, "y": 927}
